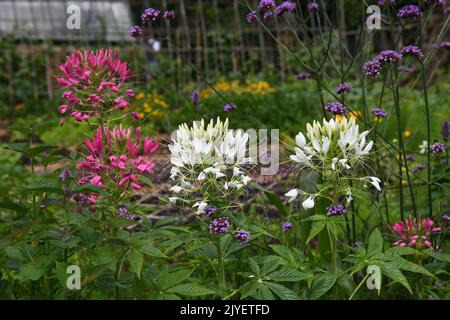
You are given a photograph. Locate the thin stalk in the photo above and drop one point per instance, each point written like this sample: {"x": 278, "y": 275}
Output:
{"x": 427, "y": 111}
{"x": 221, "y": 271}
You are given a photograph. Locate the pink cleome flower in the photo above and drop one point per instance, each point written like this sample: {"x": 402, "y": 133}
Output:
{"x": 414, "y": 232}
{"x": 94, "y": 83}
{"x": 117, "y": 158}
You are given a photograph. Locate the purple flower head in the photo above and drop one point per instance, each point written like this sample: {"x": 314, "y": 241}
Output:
{"x": 65, "y": 175}
{"x": 445, "y": 130}
{"x": 437, "y": 148}
{"x": 409, "y": 12}
{"x": 441, "y": 3}
{"x": 195, "y": 98}
{"x": 251, "y": 16}
{"x": 64, "y": 230}
{"x": 266, "y": 5}
{"x": 383, "y": 3}
{"x": 169, "y": 15}
{"x": 372, "y": 68}
{"x": 387, "y": 56}
{"x": 313, "y": 7}
{"x": 343, "y": 88}
{"x": 219, "y": 226}
{"x": 445, "y": 44}
{"x": 446, "y": 217}
{"x": 135, "y": 31}
{"x": 335, "y": 210}
{"x": 418, "y": 167}
{"x": 286, "y": 226}
{"x": 150, "y": 14}
{"x": 336, "y": 108}
{"x": 304, "y": 75}
{"x": 379, "y": 112}
{"x": 410, "y": 158}
{"x": 242, "y": 236}
{"x": 414, "y": 51}
{"x": 124, "y": 213}
{"x": 210, "y": 210}
{"x": 284, "y": 7}
{"x": 446, "y": 10}
{"x": 267, "y": 15}
{"x": 229, "y": 107}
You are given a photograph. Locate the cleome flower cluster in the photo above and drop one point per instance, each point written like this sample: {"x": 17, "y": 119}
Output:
{"x": 335, "y": 149}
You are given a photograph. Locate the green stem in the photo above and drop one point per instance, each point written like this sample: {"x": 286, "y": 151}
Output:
{"x": 221, "y": 270}
{"x": 427, "y": 110}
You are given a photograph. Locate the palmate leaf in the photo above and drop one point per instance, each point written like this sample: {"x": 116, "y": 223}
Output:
{"x": 375, "y": 243}
{"x": 395, "y": 274}
{"x": 190, "y": 289}
{"x": 136, "y": 260}
{"x": 281, "y": 291}
{"x": 287, "y": 275}
{"x": 316, "y": 228}
{"x": 249, "y": 289}
{"x": 169, "y": 280}
{"x": 320, "y": 285}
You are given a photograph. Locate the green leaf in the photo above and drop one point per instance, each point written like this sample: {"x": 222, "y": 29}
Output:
{"x": 45, "y": 186}
{"x": 89, "y": 235}
{"x": 400, "y": 251}
{"x": 136, "y": 260}
{"x": 31, "y": 271}
{"x": 152, "y": 252}
{"x": 255, "y": 268}
{"x": 291, "y": 275}
{"x": 249, "y": 289}
{"x": 315, "y": 229}
{"x": 281, "y": 291}
{"x": 263, "y": 293}
{"x": 375, "y": 243}
{"x": 190, "y": 289}
{"x": 445, "y": 257}
{"x": 412, "y": 267}
{"x": 320, "y": 285}
{"x": 14, "y": 206}
{"x": 14, "y": 253}
{"x": 316, "y": 217}
{"x": 175, "y": 278}
{"x": 395, "y": 274}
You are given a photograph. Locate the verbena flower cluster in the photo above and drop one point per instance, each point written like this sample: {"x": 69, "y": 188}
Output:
{"x": 409, "y": 12}
{"x": 150, "y": 15}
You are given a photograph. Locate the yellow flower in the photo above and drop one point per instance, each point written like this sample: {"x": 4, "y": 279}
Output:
{"x": 407, "y": 134}
{"x": 140, "y": 96}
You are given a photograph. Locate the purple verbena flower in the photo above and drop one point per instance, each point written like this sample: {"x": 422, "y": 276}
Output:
{"x": 209, "y": 210}
{"x": 446, "y": 217}
{"x": 343, "y": 88}
{"x": 124, "y": 213}
{"x": 286, "y": 226}
{"x": 150, "y": 14}
{"x": 169, "y": 15}
{"x": 219, "y": 226}
{"x": 243, "y": 236}
{"x": 195, "y": 98}
{"x": 336, "y": 108}
{"x": 65, "y": 175}
{"x": 414, "y": 51}
{"x": 387, "y": 56}
{"x": 383, "y": 3}
{"x": 379, "y": 112}
{"x": 64, "y": 230}
{"x": 313, "y": 7}
{"x": 335, "y": 210}
{"x": 437, "y": 148}
{"x": 267, "y": 15}
{"x": 304, "y": 75}
{"x": 266, "y": 5}
{"x": 285, "y": 7}
{"x": 251, "y": 16}
{"x": 445, "y": 44}
{"x": 418, "y": 167}
{"x": 372, "y": 68}
{"x": 229, "y": 107}
{"x": 445, "y": 130}
{"x": 135, "y": 31}
{"x": 409, "y": 12}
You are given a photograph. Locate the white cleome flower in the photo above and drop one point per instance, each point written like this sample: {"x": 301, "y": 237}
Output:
{"x": 292, "y": 194}
{"x": 308, "y": 203}
{"x": 373, "y": 181}
{"x": 201, "y": 205}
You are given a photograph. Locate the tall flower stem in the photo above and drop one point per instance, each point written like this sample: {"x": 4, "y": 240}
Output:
{"x": 221, "y": 269}
{"x": 427, "y": 112}
{"x": 401, "y": 148}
